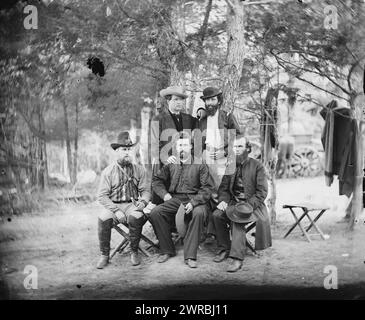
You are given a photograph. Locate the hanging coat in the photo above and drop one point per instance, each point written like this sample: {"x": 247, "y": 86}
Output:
{"x": 340, "y": 138}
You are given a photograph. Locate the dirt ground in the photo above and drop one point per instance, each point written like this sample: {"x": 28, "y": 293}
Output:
{"x": 62, "y": 244}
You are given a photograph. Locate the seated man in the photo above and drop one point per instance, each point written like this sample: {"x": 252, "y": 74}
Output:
{"x": 247, "y": 187}
{"x": 123, "y": 192}
{"x": 189, "y": 185}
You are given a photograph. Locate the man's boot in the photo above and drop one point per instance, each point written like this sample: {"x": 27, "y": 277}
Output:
{"x": 104, "y": 233}
{"x": 135, "y": 230}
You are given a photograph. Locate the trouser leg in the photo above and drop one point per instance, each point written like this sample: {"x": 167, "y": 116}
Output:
{"x": 104, "y": 233}
{"x": 222, "y": 231}
{"x": 194, "y": 232}
{"x": 135, "y": 225}
{"x": 238, "y": 246}
{"x": 162, "y": 219}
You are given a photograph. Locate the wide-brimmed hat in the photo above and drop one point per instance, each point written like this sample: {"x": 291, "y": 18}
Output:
{"x": 175, "y": 90}
{"x": 181, "y": 221}
{"x": 124, "y": 140}
{"x": 242, "y": 212}
{"x": 210, "y": 92}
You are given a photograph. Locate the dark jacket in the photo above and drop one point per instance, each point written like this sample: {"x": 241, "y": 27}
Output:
{"x": 226, "y": 121}
{"x": 194, "y": 181}
{"x": 159, "y": 139}
{"x": 256, "y": 189}
{"x": 340, "y": 138}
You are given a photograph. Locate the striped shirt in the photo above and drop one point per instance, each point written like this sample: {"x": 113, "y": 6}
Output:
{"x": 121, "y": 184}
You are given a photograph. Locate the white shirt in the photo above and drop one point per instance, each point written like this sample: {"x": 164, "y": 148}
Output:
{"x": 213, "y": 138}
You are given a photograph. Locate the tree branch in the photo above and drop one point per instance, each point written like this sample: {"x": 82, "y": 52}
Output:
{"x": 204, "y": 27}
{"x": 311, "y": 83}
{"x": 353, "y": 66}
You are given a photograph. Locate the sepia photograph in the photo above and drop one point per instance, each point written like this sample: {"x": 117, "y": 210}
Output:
{"x": 161, "y": 151}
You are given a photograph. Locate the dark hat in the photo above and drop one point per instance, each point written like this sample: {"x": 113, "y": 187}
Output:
{"x": 174, "y": 90}
{"x": 180, "y": 221}
{"x": 242, "y": 212}
{"x": 124, "y": 140}
{"x": 210, "y": 92}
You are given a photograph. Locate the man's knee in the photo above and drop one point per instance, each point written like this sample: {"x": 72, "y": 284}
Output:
{"x": 154, "y": 212}
{"x": 200, "y": 212}
{"x": 135, "y": 217}
{"x": 105, "y": 214}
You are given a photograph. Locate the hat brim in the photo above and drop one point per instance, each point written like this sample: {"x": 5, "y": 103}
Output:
{"x": 233, "y": 216}
{"x": 118, "y": 145}
{"x": 181, "y": 225}
{"x": 210, "y": 96}
{"x": 165, "y": 92}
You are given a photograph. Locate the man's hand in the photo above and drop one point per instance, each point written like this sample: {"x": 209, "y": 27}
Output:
{"x": 188, "y": 208}
{"x": 167, "y": 197}
{"x": 121, "y": 216}
{"x": 201, "y": 113}
{"x": 222, "y": 206}
{"x": 140, "y": 205}
{"x": 172, "y": 159}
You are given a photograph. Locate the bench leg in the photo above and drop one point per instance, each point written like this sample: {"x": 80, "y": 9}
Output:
{"x": 313, "y": 223}
{"x": 296, "y": 223}
{"x": 315, "y": 220}
{"x": 119, "y": 247}
{"x": 250, "y": 246}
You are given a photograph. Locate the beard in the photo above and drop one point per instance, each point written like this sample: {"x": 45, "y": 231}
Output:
{"x": 125, "y": 162}
{"x": 241, "y": 157}
{"x": 211, "y": 110}
{"x": 184, "y": 155}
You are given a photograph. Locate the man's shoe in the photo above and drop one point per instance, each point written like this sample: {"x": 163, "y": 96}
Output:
{"x": 191, "y": 263}
{"x": 219, "y": 257}
{"x": 135, "y": 259}
{"x": 103, "y": 262}
{"x": 235, "y": 265}
{"x": 163, "y": 258}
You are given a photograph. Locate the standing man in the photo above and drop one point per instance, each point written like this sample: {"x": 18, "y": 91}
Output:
{"x": 241, "y": 200}
{"x": 123, "y": 193}
{"x": 217, "y": 128}
{"x": 216, "y": 125}
{"x": 165, "y": 125}
{"x": 189, "y": 185}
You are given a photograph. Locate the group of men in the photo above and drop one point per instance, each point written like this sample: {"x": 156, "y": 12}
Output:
{"x": 202, "y": 167}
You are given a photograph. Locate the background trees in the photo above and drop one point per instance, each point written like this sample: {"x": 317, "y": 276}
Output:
{"x": 249, "y": 48}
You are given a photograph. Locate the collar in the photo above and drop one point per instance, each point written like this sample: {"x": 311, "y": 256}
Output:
{"x": 175, "y": 114}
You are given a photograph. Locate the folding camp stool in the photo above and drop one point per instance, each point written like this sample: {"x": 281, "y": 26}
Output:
{"x": 307, "y": 209}
{"x": 248, "y": 227}
{"x": 122, "y": 229}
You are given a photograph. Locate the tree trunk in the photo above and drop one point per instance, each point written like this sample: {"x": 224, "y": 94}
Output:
{"x": 357, "y": 203}
{"x": 236, "y": 50}
{"x": 42, "y": 129}
{"x": 291, "y": 102}
{"x": 68, "y": 143}
{"x": 177, "y": 76}
{"x": 74, "y": 171}
{"x": 269, "y": 152}
{"x": 146, "y": 114}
